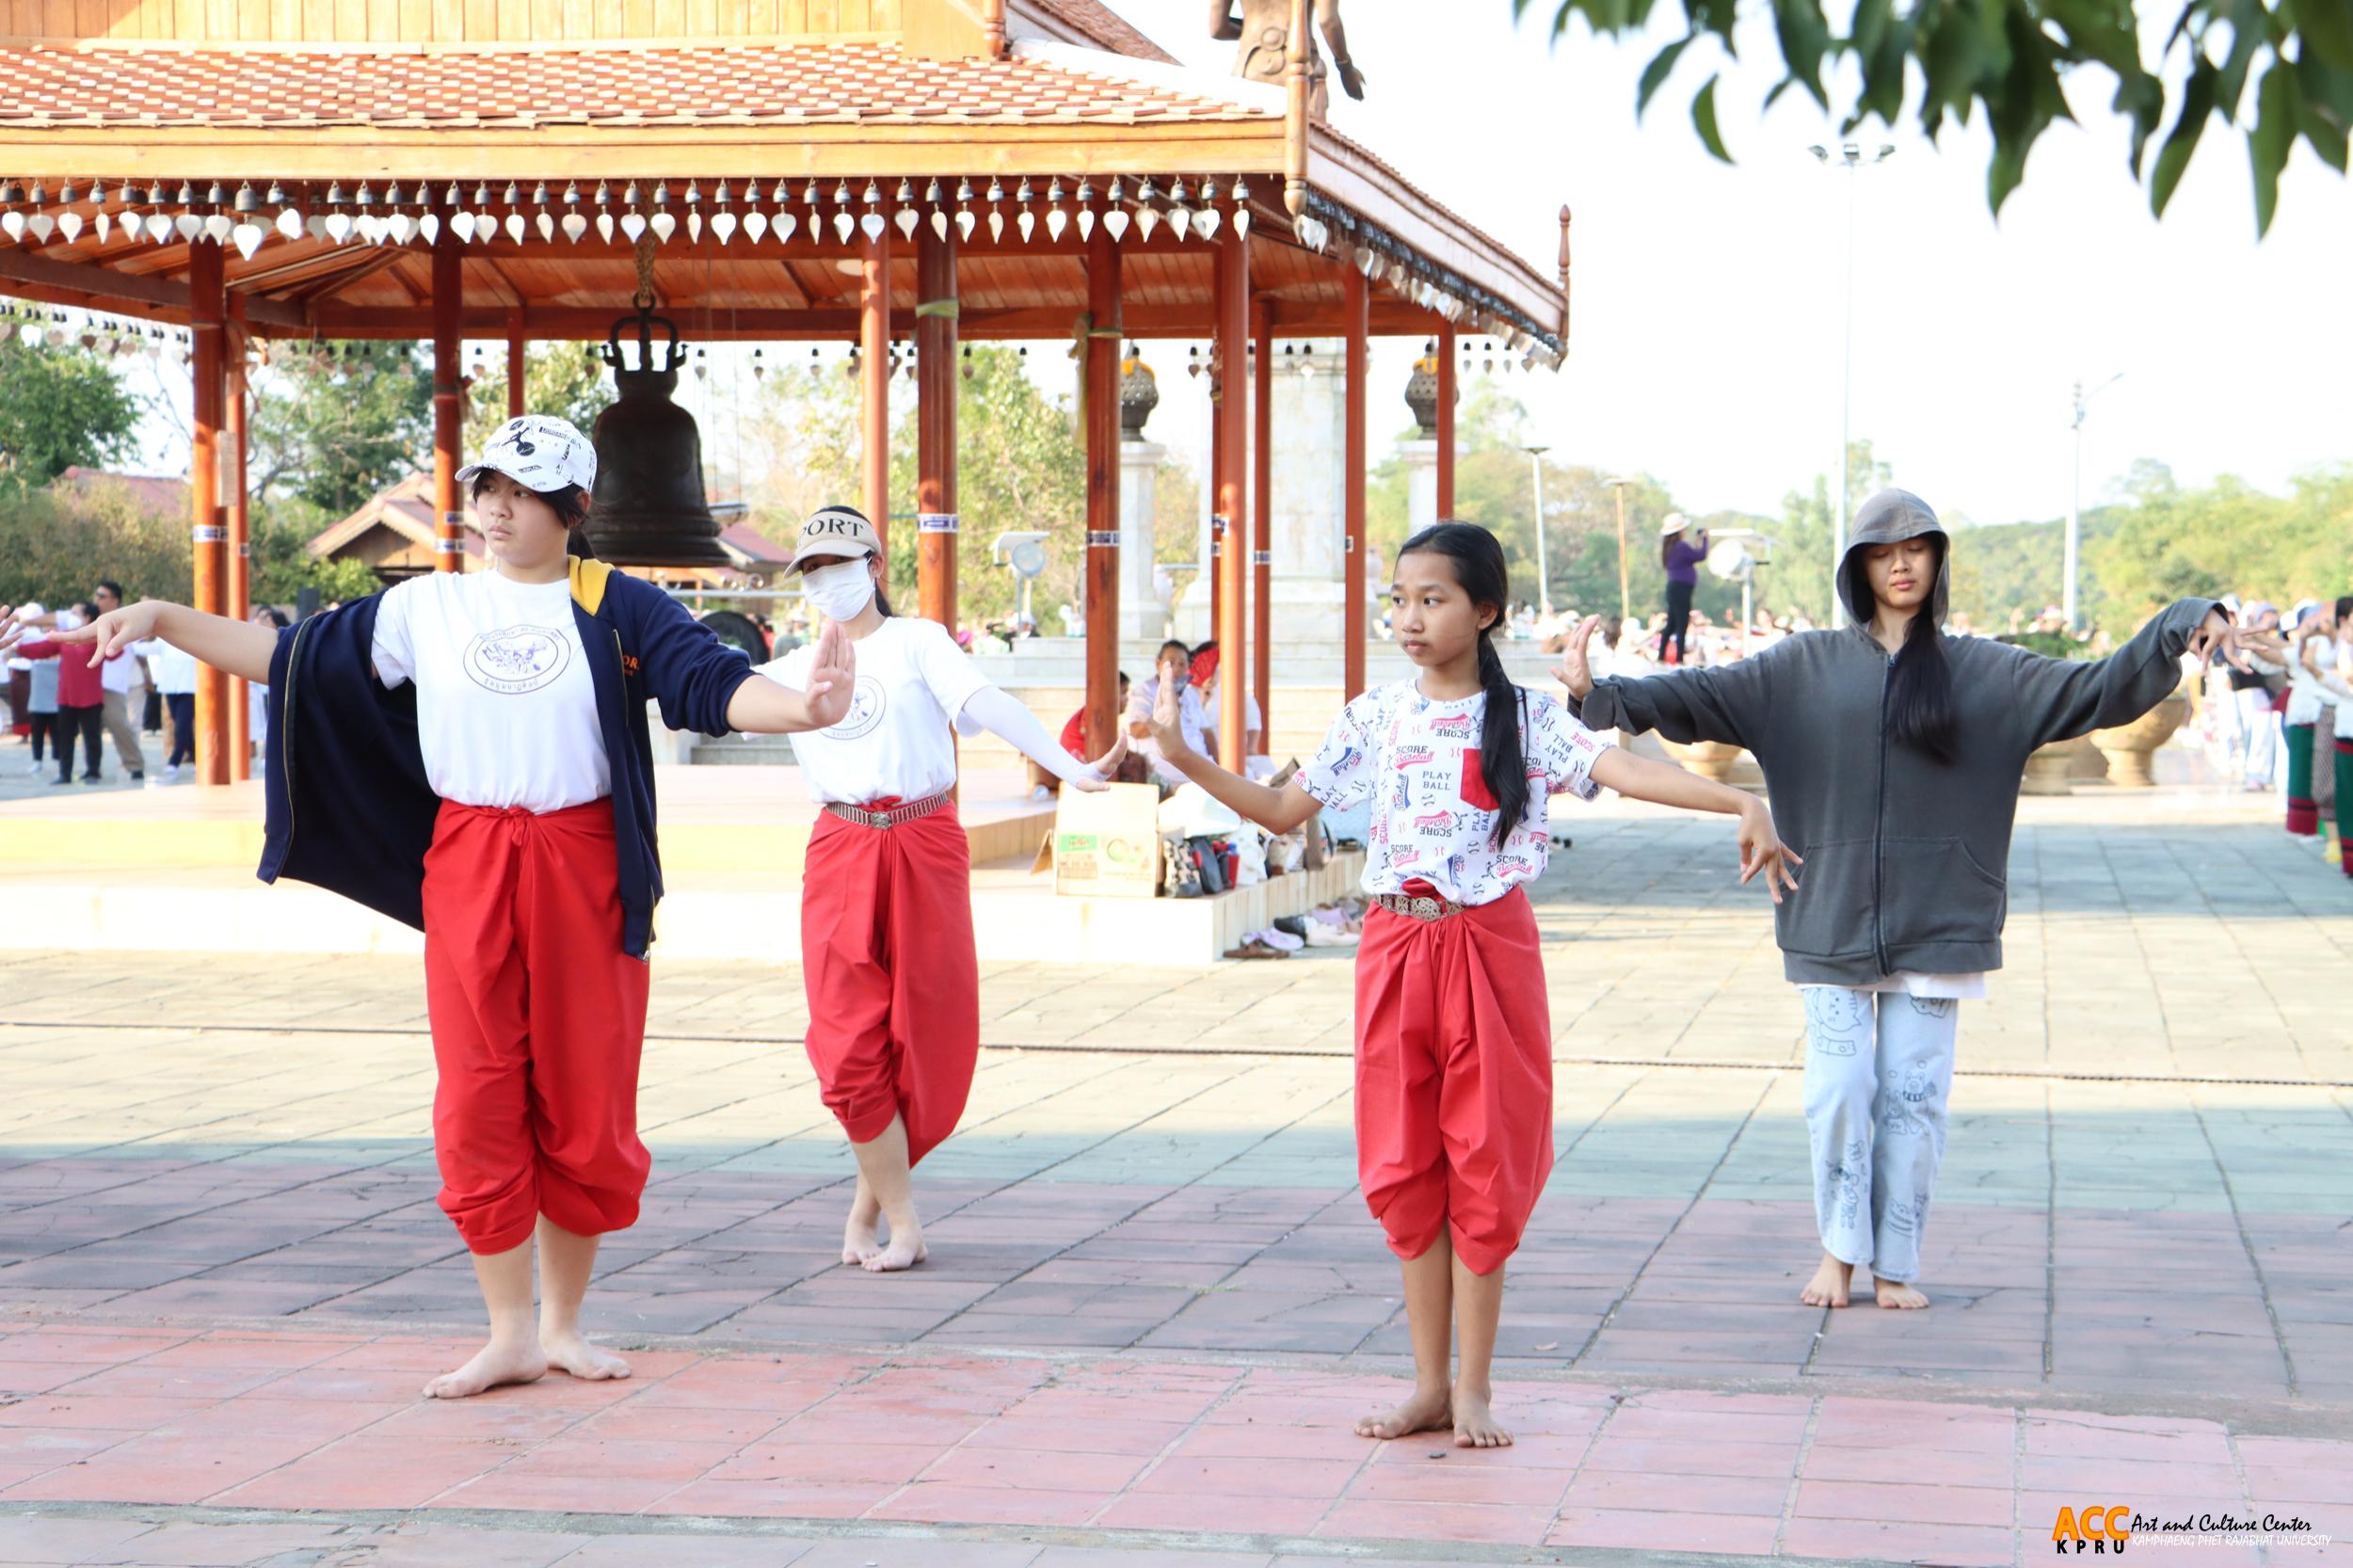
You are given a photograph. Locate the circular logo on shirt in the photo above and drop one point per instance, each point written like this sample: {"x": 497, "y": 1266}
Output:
{"x": 867, "y": 705}
{"x": 517, "y": 659}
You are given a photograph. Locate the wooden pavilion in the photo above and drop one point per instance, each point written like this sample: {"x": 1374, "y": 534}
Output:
{"x": 857, "y": 169}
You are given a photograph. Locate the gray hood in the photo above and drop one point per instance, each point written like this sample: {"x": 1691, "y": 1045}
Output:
{"x": 1889, "y": 518}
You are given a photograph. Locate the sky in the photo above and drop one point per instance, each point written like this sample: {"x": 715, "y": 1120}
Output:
{"x": 1706, "y": 341}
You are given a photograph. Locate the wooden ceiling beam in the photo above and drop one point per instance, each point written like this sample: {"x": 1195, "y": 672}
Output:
{"x": 98, "y": 288}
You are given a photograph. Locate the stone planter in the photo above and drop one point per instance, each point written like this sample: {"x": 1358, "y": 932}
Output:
{"x": 2050, "y": 770}
{"x": 1725, "y": 764}
{"x": 2129, "y": 747}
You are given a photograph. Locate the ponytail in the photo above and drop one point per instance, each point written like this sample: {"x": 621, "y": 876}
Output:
{"x": 1501, "y": 758}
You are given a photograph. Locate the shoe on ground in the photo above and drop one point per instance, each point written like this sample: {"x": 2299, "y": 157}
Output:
{"x": 138, "y": 775}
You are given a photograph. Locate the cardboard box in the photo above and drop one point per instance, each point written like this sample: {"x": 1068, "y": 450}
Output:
{"x": 1107, "y": 843}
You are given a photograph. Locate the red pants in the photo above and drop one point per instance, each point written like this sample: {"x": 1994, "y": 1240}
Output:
{"x": 894, "y": 991}
{"x": 538, "y": 1019}
{"x": 1453, "y": 1078}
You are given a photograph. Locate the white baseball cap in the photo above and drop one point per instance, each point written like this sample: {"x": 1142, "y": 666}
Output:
{"x": 539, "y": 451}
{"x": 834, "y": 531}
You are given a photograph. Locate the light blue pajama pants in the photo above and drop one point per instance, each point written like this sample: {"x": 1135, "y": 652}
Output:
{"x": 1878, "y": 1069}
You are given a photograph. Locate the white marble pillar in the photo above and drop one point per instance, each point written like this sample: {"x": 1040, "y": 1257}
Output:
{"x": 1310, "y": 495}
{"x": 1421, "y": 481}
{"x": 1142, "y": 611}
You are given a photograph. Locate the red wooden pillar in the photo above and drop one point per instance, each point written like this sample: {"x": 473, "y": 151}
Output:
{"x": 208, "y": 325}
{"x": 1447, "y": 365}
{"x": 1261, "y": 512}
{"x": 240, "y": 606}
{"x": 1102, "y": 439}
{"x": 449, "y": 409}
{"x": 874, "y": 325}
{"x": 1233, "y": 329}
{"x": 517, "y": 371}
{"x": 1356, "y": 311}
{"x": 1217, "y": 466}
{"x": 936, "y": 378}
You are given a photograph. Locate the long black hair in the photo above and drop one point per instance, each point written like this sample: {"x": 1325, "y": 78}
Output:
{"x": 1920, "y": 687}
{"x": 1480, "y": 571}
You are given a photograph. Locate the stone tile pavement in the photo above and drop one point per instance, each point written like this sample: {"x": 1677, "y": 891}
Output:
{"x": 1156, "y": 1301}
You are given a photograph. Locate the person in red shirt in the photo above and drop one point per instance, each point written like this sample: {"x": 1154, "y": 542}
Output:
{"x": 1074, "y": 735}
{"x": 81, "y": 697}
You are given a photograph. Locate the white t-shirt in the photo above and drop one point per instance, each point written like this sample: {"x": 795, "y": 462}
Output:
{"x": 913, "y": 682}
{"x": 1416, "y": 759}
{"x": 506, "y": 708}
{"x": 1192, "y": 720}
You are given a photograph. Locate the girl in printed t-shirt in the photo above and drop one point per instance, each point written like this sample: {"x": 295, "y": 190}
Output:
{"x": 1453, "y": 1034}
{"x": 469, "y": 753}
{"x": 894, "y": 999}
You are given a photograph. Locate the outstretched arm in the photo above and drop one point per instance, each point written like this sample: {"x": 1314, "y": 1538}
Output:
{"x": 997, "y": 711}
{"x": 1728, "y": 702}
{"x": 1276, "y": 810}
{"x": 1664, "y": 784}
{"x": 1351, "y": 79}
{"x": 770, "y": 708}
{"x": 2059, "y": 700}
{"x": 238, "y": 647}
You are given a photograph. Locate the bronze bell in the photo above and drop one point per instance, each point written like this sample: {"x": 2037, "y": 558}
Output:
{"x": 649, "y": 509}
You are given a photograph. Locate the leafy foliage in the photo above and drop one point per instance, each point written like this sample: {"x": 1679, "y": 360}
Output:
{"x": 1020, "y": 465}
{"x": 565, "y": 379}
{"x": 2008, "y": 59}
{"x": 335, "y": 425}
{"x": 55, "y": 544}
{"x": 59, "y": 405}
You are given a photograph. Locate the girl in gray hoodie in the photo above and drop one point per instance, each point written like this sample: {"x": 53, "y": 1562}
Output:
{"x": 1892, "y": 754}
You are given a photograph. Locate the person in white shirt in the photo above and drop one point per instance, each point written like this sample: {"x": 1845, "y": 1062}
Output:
{"x": 175, "y": 679}
{"x": 886, "y": 953}
{"x": 125, "y": 684}
{"x": 474, "y": 759}
{"x": 1454, "y": 1030}
{"x": 1172, "y": 667}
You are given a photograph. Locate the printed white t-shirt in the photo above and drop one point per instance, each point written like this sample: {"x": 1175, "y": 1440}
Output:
{"x": 912, "y": 682}
{"x": 1433, "y": 821}
{"x": 506, "y": 707}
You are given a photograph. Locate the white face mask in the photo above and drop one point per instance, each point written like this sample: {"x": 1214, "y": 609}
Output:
{"x": 841, "y": 592}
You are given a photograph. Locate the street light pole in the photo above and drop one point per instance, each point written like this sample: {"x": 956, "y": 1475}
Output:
{"x": 1544, "y": 576}
{"x": 1850, "y": 159}
{"x": 2075, "y": 499}
{"x": 1626, "y": 596}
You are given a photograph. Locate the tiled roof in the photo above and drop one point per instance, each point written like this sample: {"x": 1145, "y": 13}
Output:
{"x": 806, "y": 83}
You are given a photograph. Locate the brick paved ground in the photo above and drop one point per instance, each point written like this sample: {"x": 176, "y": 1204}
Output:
{"x": 1156, "y": 1300}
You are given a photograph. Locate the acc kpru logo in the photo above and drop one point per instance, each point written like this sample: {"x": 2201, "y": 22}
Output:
{"x": 2100, "y": 1530}
{"x": 517, "y": 659}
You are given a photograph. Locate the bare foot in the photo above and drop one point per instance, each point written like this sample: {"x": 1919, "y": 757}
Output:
{"x": 1427, "y": 1410}
{"x": 905, "y": 1249}
{"x": 1475, "y": 1423}
{"x": 493, "y": 1365}
{"x": 1830, "y": 1284}
{"x": 860, "y": 1239}
{"x": 569, "y": 1351}
{"x": 1899, "y": 1297}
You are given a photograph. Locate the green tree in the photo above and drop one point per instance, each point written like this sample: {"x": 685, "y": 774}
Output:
{"x": 1940, "y": 58}
{"x": 59, "y": 405}
{"x": 1021, "y": 466}
{"x": 565, "y": 379}
{"x": 335, "y": 423}
{"x": 54, "y": 544}
{"x": 282, "y": 566}
{"x": 2228, "y": 537}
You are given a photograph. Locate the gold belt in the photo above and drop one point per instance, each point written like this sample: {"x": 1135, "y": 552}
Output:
{"x": 892, "y": 818}
{"x": 1418, "y": 906}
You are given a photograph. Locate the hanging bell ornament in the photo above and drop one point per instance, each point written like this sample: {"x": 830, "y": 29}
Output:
{"x": 965, "y": 220}
{"x": 695, "y": 223}
{"x": 1115, "y": 210}
{"x": 632, "y": 221}
{"x": 938, "y": 213}
{"x": 871, "y": 224}
{"x": 1147, "y": 216}
{"x": 996, "y": 218}
{"x": 903, "y": 209}
{"x": 603, "y": 199}
{"x": 723, "y": 222}
{"x": 1241, "y": 207}
{"x": 1024, "y": 218}
{"x": 542, "y": 221}
{"x": 663, "y": 223}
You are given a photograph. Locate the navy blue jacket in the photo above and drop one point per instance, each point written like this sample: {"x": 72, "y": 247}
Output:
{"x": 349, "y": 808}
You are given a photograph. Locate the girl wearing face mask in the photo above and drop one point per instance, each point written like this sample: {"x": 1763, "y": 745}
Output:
{"x": 894, "y": 1009}
{"x": 468, "y": 752}
{"x": 1171, "y": 668}
{"x": 1893, "y": 755}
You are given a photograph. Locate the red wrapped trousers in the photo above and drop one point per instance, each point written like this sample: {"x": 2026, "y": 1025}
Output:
{"x": 1453, "y": 1078}
{"x": 538, "y": 1020}
{"x": 894, "y": 990}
